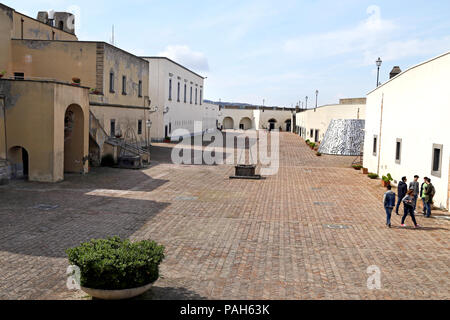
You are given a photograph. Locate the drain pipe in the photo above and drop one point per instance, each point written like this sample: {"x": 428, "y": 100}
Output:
{"x": 2, "y": 99}
{"x": 379, "y": 138}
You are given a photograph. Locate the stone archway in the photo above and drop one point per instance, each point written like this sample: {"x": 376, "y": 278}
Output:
{"x": 272, "y": 124}
{"x": 245, "y": 123}
{"x": 74, "y": 139}
{"x": 228, "y": 123}
{"x": 20, "y": 163}
{"x": 288, "y": 124}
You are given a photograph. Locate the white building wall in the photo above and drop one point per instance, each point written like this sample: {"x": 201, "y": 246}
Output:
{"x": 320, "y": 118}
{"x": 416, "y": 109}
{"x": 281, "y": 116}
{"x": 210, "y": 116}
{"x": 237, "y": 115}
{"x": 173, "y": 112}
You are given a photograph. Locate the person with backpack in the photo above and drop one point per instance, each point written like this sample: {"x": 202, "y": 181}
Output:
{"x": 408, "y": 204}
{"x": 429, "y": 195}
{"x": 401, "y": 193}
{"x": 389, "y": 204}
{"x": 414, "y": 185}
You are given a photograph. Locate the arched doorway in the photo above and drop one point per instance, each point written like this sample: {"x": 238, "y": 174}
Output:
{"x": 272, "y": 124}
{"x": 245, "y": 123}
{"x": 73, "y": 139}
{"x": 228, "y": 123}
{"x": 20, "y": 163}
{"x": 288, "y": 125}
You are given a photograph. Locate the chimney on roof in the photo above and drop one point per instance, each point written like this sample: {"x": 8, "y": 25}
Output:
{"x": 395, "y": 72}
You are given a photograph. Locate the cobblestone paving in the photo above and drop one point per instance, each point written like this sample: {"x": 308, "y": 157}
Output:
{"x": 309, "y": 232}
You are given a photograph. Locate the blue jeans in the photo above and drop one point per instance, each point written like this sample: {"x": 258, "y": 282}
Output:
{"x": 398, "y": 204}
{"x": 427, "y": 208}
{"x": 415, "y": 201}
{"x": 409, "y": 210}
{"x": 424, "y": 206}
{"x": 388, "y": 215}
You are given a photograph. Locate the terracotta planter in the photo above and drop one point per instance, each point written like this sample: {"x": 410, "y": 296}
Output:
{"x": 365, "y": 170}
{"x": 385, "y": 183}
{"x": 116, "y": 294}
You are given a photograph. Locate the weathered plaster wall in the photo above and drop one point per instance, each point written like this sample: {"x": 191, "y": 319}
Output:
{"x": 124, "y": 119}
{"x": 34, "y": 29}
{"x": 35, "y": 121}
{"x": 6, "y": 25}
{"x": 134, "y": 68}
{"x": 59, "y": 60}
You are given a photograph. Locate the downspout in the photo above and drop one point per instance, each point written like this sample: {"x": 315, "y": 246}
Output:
{"x": 2, "y": 98}
{"x": 379, "y": 138}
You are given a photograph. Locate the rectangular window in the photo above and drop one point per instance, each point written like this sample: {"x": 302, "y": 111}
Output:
{"x": 185, "y": 93}
{"x": 140, "y": 89}
{"x": 311, "y": 133}
{"x": 196, "y": 90}
{"x": 111, "y": 82}
{"x": 436, "y": 165}
{"x": 201, "y": 96}
{"x": 374, "y": 147}
{"x": 170, "y": 89}
{"x": 113, "y": 128}
{"x": 19, "y": 76}
{"x": 124, "y": 85}
{"x": 191, "y": 96}
{"x": 398, "y": 151}
{"x": 178, "y": 92}
{"x": 139, "y": 126}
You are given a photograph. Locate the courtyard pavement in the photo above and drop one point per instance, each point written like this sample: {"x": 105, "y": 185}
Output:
{"x": 309, "y": 232}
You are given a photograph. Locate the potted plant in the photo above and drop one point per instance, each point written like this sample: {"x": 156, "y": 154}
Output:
{"x": 167, "y": 139}
{"x": 318, "y": 154}
{"x": 365, "y": 170}
{"x": 386, "y": 180}
{"x": 115, "y": 269}
{"x": 373, "y": 176}
{"x": 76, "y": 81}
{"x": 2, "y": 73}
{"x": 94, "y": 91}
{"x": 357, "y": 166}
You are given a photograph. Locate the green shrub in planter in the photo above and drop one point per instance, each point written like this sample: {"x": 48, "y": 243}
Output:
{"x": 115, "y": 264}
{"x": 318, "y": 154}
{"x": 372, "y": 175}
{"x": 357, "y": 166}
{"x": 107, "y": 160}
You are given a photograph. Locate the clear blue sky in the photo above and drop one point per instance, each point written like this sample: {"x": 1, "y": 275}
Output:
{"x": 280, "y": 51}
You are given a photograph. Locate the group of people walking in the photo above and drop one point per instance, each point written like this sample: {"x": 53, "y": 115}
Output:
{"x": 408, "y": 196}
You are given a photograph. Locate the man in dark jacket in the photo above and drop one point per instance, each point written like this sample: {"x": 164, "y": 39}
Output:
{"x": 402, "y": 189}
{"x": 429, "y": 195}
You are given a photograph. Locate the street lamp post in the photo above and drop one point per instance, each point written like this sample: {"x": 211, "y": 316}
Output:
{"x": 306, "y": 104}
{"x": 317, "y": 95}
{"x": 378, "y": 62}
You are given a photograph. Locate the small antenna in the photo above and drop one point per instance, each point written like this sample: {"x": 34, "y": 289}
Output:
{"x": 112, "y": 36}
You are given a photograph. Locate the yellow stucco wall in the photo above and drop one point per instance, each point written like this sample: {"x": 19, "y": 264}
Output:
{"x": 124, "y": 118}
{"x": 57, "y": 60}
{"x": 35, "y": 121}
{"x": 11, "y": 28}
{"x": 34, "y": 29}
{"x": 6, "y": 25}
